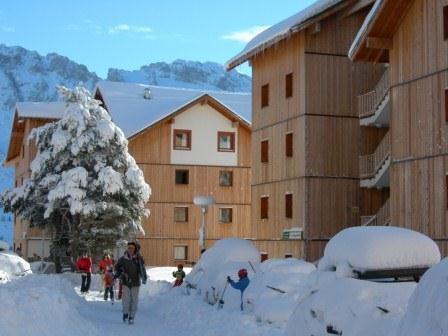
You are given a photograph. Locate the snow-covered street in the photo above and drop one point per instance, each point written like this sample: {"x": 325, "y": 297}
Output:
{"x": 51, "y": 304}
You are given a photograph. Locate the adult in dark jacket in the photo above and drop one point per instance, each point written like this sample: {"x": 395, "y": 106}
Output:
{"x": 130, "y": 268}
{"x": 84, "y": 265}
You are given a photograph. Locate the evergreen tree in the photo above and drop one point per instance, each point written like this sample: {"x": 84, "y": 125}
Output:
{"x": 85, "y": 186}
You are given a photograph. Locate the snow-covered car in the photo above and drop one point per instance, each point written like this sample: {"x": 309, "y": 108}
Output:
{"x": 13, "y": 265}
{"x": 379, "y": 252}
{"x": 4, "y": 246}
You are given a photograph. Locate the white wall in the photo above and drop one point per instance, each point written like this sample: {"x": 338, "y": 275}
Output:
{"x": 204, "y": 123}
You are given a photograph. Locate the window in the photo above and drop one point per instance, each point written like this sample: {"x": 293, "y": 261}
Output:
{"x": 182, "y": 176}
{"x": 288, "y": 205}
{"x": 446, "y": 105}
{"x": 181, "y": 214}
{"x": 225, "y": 178}
{"x": 264, "y": 207}
{"x": 225, "y": 215}
{"x": 226, "y": 142}
{"x": 265, "y": 95}
{"x": 288, "y": 144}
{"x": 180, "y": 252}
{"x": 445, "y": 23}
{"x": 265, "y": 151}
{"x": 182, "y": 139}
{"x": 288, "y": 85}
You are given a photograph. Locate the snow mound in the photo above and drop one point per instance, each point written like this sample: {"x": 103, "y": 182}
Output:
{"x": 42, "y": 305}
{"x": 275, "y": 290}
{"x": 349, "y": 307}
{"x": 378, "y": 247}
{"x": 428, "y": 306}
{"x": 224, "y": 258}
{"x": 13, "y": 265}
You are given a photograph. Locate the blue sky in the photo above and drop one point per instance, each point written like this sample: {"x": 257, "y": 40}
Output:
{"x": 128, "y": 34}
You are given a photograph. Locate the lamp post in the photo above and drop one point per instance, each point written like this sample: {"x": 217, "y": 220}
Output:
{"x": 204, "y": 202}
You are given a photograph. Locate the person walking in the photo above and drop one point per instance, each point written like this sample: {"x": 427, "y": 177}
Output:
{"x": 242, "y": 283}
{"x": 103, "y": 265}
{"x": 130, "y": 268}
{"x": 109, "y": 284}
{"x": 84, "y": 265}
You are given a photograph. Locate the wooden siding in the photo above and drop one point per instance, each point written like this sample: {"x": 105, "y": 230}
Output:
{"x": 419, "y": 196}
{"x": 279, "y": 167}
{"x": 271, "y": 67}
{"x": 153, "y": 145}
{"x": 273, "y": 226}
{"x": 418, "y": 45}
{"x": 418, "y": 118}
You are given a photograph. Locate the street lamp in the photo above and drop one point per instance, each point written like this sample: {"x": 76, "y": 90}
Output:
{"x": 203, "y": 202}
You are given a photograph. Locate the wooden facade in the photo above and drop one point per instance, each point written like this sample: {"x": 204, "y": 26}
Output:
{"x": 322, "y": 115}
{"x": 151, "y": 150}
{"x": 417, "y": 54}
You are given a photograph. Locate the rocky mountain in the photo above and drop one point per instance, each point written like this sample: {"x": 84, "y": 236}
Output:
{"x": 186, "y": 74}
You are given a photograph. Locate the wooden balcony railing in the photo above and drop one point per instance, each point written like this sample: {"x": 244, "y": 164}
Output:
{"x": 382, "y": 217}
{"x": 368, "y": 102}
{"x": 369, "y": 164}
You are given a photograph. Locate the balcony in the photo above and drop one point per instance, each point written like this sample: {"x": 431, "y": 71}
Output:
{"x": 374, "y": 168}
{"x": 382, "y": 217}
{"x": 374, "y": 106}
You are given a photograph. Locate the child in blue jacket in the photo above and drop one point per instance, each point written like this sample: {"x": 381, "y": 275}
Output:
{"x": 242, "y": 283}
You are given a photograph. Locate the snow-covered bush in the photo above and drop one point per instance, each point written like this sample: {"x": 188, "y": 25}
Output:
{"x": 84, "y": 183}
{"x": 350, "y": 307}
{"x": 275, "y": 289}
{"x": 13, "y": 266}
{"x": 378, "y": 247}
{"x": 223, "y": 259}
{"x": 428, "y": 306}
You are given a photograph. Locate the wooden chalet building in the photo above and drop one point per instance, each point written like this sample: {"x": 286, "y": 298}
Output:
{"x": 187, "y": 142}
{"x": 410, "y": 37}
{"x": 306, "y": 134}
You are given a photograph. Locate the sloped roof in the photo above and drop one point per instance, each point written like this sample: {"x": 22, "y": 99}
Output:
{"x": 381, "y": 22}
{"x": 133, "y": 113}
{"x": 40, "y": 110}
{"x": 281, "y": 30}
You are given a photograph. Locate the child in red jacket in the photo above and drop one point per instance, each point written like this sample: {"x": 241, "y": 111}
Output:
{"x": 84, "y": 265}
{"x": 109, "y": 284}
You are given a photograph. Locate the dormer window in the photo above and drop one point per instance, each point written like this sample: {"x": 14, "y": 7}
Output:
{"x": 182, "y": 139}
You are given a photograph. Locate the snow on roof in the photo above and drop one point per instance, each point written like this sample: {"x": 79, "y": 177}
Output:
{"x": 280, "y": 31}
{"x": 362, "y": 31}
{"x": 133, "y": 113}
{"x": 379, "y": 247}
{"x": 45, "y": 110}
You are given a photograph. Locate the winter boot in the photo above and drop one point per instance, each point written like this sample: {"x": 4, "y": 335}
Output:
{"x": 125, "y": 317}
{"x": 131, "y": 320}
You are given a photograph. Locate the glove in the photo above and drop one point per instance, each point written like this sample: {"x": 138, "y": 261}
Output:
{"x": 228, "y": 278}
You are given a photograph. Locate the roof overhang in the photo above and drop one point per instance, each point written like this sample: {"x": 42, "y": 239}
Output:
{"x": 309, "y": 17}
{"x": 374, "y": 39}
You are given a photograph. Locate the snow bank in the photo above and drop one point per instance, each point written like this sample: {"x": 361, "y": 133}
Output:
{"x": 42, "y": 305}
{"x": 275, "y": 289}
{"x": 349, "y": 307}
{"x": 12, "y": 265}
{"x": 223, "y": 259}
{"x": 4, "y": 246}
{"x": 428, "y": 306}
{"x": 378, "y": 247}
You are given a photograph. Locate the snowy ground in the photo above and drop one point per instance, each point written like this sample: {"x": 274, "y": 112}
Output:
{"x": 51, "y": 305}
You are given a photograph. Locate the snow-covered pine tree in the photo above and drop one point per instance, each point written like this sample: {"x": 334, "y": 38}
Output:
{"x": 84, "y": 186}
